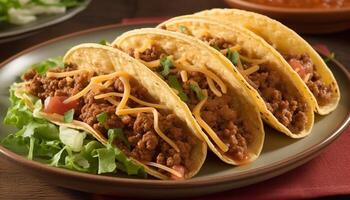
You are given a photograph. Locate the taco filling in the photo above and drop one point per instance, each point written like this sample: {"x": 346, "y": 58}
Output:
{"x": 147, "y": 131}
{"x": 206, "y": 95}
{"x": 304, "y": 66}
{"x": 280, "y": 99}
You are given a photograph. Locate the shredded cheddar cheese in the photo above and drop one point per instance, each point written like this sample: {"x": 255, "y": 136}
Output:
{"x": 184, "y": 65}
{"x": 122, "y": 109}
{"x": 94, "y": 81}
{"x": 155, "y": 121}
{"x": 251, "y": 70}
{"x": 165, "y": 168}
{"x": 65, "y": 74}
{"x": 213, "y": 88}
{"x": 150, "y": 64}
{"x": 183, "y": 75}
{"x": 196, "y": 112}
{"x": 139, "y": 101}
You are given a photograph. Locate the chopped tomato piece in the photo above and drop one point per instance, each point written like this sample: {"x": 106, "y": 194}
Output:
{"x": 55, "y": 105}
{"x": 181, "y": 170}
{"x": 298, "y": 67}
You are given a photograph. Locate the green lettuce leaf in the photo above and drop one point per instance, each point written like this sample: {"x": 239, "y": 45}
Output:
{"x": 38, "y": 139}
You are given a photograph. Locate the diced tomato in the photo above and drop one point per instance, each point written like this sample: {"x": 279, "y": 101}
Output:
{"x": 55, "y": 105}
{"x": 181, "y": 170}
{"x": 298, "y": 67}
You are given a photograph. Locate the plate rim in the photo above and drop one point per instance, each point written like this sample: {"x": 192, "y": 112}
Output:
{"x": 64, "y": 17}
{"x": 150, "y": 183}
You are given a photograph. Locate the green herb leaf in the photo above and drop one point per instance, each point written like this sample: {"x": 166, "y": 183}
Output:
{"x": 174, "y": 83}
{"x": 200, "y": 95}
{"x": 117, "y": 133}
{"x": 329, "y": 58}
{"x": 102, "y": 117}
{"x": 104, "y": 42}
{"x": 232, "y": 56}
{"x": 166, "y": 63}
{"x": 183, "y": 29}
{"x": 44, "y": 66}
{"x": 68, "y": 116}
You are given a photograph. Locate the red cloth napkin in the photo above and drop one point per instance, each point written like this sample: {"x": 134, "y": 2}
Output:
{"x": 326, "y": 175}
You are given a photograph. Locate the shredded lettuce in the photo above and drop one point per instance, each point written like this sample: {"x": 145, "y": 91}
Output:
{"x": 68, "y": 116}
{"x": 72, "y": 138}
{"x": 40, "y": 140}
{"x": 43, "y": 66}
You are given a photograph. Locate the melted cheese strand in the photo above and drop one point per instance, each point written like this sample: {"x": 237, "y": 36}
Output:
{"x": 206, "y": 127}
{"x": 239, "y": 64}
{"x": 307, "y": 77}
{"x": 107, "y": 83}
{"x": 251, "y": 70}
{"x": 165, "y": 168}
{"x": 175, "y": 91}
{"x": 188, "y": 67}
{"x": 139, "y": 101}
{"x": 65, "y": 74}
{"x": 234, "y": 48}
{"x": 184, "y": 76}
{"x": 94, "y": 81}
{"x": 124, "y": 77}
{"x": 213, "y": 88}
{"x": 155, "y": 121}
{"x": 113, "y": 101}
{"x": 150, "y": 64}
{"x": 126, "y": 94}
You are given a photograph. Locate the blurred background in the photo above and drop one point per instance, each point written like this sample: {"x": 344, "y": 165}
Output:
{"x": 18, "y": 185}
{"x": 104, "y": 12}
{"x": 305, "y": 16}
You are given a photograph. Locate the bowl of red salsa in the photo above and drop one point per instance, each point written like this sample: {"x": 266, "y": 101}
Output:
{"x": 304, "y": 16}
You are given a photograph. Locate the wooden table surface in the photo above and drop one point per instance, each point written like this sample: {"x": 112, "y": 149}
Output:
{"x": 16, "y": 184}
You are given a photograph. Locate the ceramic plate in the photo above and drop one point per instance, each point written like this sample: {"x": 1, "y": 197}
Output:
{"x": 9, "y": 32}
{"x": 280, "y": 154}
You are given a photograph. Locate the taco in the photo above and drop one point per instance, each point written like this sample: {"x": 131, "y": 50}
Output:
{"x": 283, "y": 99}
{"x": 110, "y": 92}
{"x": 297, "y": 52}
{"x": 227, "y": 116}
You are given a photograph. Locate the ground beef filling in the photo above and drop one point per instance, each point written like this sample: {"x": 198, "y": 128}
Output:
{"x": 305, "y": 67}
{"x": 145, "y": 144}
{"x": 287, "y": 109}
{"x": 218, "y": 112}
{"x": 222, "y": 115}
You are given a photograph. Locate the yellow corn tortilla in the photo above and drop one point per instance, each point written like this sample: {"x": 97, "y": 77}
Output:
{"x": 103, "y": 59}
{"x": 282, "y": 38}
{"x": 179, "y": 45}
{"x": 252, "y": 45}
